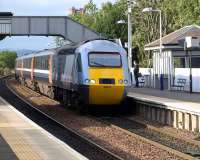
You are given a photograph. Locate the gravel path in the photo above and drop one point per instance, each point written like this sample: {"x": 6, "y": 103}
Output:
{"x": 81, "y": 145}
{"x": 123, "y": 144}
{"x": 185, "y": 134}
{"x": 177, "y": 143}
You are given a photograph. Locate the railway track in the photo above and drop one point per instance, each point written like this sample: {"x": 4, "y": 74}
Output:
{"x": 78, "y": 142}
{"x": 129, "y": 128}
{"x": 186, "y": 148}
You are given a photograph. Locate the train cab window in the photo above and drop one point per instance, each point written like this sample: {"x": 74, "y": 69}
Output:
{"x": 79, "y": 63}
{"x": 104, "y": 59}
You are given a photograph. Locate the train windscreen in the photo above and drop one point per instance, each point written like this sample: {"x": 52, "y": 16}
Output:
{"x": 98, "y": 59}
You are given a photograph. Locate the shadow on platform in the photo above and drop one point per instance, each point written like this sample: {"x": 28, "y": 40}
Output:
{"x": 6, "y": 153}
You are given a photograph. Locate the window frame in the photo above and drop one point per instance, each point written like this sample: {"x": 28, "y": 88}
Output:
{"x": 111, "y": 53}
{"x": 42, "y": 62}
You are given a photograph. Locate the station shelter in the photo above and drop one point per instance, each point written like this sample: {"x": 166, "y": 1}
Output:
{"x": 179, "y": 61}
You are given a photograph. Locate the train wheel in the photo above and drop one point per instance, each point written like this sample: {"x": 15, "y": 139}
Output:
{"x": 81, "y": 107}
{"x": 57, "y": 94}
{"x": 67, "y": 98}
{"x": 64, "y": 97}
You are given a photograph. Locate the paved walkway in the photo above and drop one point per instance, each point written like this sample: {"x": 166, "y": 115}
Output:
{"x": 177, "y": 95}
{"x": 22, "y": 139}
{"x": 180, "y": 101}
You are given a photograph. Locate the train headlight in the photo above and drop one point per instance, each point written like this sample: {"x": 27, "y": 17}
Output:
{"x": 92, "y": 81}
{"x": 125, "y": 81}
{"x": 87, "y": 81}
{"x": 120, "y": 81}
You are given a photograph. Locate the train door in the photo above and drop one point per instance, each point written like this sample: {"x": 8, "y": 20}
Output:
{"x": 59, "y": 70}
{"x": 50, "y": 67}
{"x": 79, "y": 69}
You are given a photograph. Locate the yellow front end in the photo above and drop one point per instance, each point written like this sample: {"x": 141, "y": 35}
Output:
{"x": 106, "y": 94}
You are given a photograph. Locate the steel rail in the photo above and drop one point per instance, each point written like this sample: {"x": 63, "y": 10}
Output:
{"x": 148, "y": 140}
{"x": 106, "y": 154}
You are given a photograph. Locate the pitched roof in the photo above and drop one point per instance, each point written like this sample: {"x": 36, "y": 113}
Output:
{"x": 176, "y": 36}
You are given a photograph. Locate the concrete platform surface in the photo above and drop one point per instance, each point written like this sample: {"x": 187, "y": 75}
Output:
{"x": 22, "y": 139}
{"x": 180, "y": 101}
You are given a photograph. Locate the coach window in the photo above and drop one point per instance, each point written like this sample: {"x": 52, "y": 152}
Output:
{"x": 79, "y": 63}
{"x": 46, "y": 62}
{"x": 27, "y": 63}
{"x": 24, "y": 61}
{"x": 20, "y": 63}
{"x": 38, "y": 62}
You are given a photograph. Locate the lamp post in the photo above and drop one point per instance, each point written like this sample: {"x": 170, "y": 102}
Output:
{"x": 159, "y": 11}
{"x": 129, "y": 36}
{"x": 156, "y": 10}
{"x": 130, "y": 5}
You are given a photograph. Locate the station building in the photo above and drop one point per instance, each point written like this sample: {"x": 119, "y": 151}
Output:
{"x": 179, "y": 60}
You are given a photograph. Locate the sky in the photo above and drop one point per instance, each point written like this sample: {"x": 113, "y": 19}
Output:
{"x": 38, "y": 8}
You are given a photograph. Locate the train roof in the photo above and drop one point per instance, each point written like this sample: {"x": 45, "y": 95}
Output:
{"x": 66, "y": 49}
{"x": 71, "y": 48}
{"x": 39, "y": 53}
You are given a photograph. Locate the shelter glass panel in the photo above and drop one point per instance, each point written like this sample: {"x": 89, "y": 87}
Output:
{"x": 195, "y": 62}
{"x": 179, "y": 62}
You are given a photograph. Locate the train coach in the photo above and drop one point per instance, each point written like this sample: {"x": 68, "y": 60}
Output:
{"x": 93, "y": 72}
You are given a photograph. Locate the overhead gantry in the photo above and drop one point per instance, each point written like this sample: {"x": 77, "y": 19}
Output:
{"x": 44, "y": 26}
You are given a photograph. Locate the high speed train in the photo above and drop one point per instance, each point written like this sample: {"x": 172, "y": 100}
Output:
{"x": 93, "y": 72}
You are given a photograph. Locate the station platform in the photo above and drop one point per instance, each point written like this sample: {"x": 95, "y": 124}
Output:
{"x": 22, "y": 139}
{"x": 176, "y": 108}
{"x": 181, "y": 101}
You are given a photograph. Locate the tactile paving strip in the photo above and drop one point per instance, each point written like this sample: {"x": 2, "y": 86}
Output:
{"x": 18, "y": 144}
{"x": 22, "y": 139}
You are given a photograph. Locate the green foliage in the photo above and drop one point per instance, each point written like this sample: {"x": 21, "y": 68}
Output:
{"x": 175, "y": 14}
{"x": 7, "y": 59}
{"x": 107, "y": 18}
{"x": 89, "y": 18}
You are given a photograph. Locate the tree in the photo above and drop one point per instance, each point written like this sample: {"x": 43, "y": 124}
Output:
{"x": 107, "y": 18}
{"x": 175, "y": 14}
{"x": 89, "y": 16}
{"x": 7, "y": 59}
{"x": 104, "y": 20}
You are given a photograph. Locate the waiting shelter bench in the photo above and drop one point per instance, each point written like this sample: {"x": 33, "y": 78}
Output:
{"x": 180, "y": 85}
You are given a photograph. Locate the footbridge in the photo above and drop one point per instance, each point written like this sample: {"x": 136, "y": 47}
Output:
{"x": 44, "y": 26}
